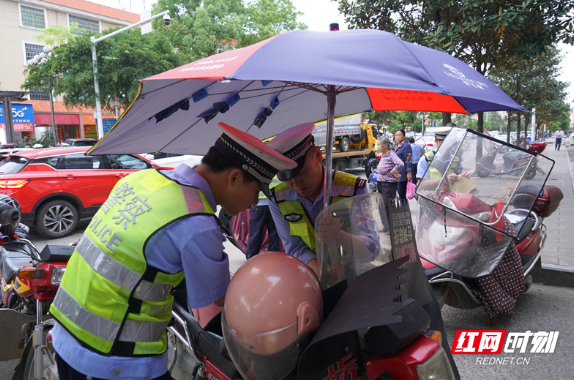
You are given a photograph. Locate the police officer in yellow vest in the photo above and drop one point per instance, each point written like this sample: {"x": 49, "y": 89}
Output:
{"x": 296, "y": 203}
{"x": 156, "y": 228}
{"x": 454, "y": 169}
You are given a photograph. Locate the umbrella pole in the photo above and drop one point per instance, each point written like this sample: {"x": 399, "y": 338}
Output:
{"x": 331, "y": 101}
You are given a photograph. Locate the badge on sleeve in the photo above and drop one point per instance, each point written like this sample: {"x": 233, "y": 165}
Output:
{"x": 293, "y": 217}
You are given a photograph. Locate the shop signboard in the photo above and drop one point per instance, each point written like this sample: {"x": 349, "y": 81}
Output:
{"x": 22, "y": 116}
{"x": 108, "y": 124}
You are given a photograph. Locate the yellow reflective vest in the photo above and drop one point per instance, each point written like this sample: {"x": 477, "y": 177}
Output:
{"x": 294, "y": 213}
{"x": 434, "y": 173}
{"x": 274, "y": 182}
{"x": 110, "y": 299}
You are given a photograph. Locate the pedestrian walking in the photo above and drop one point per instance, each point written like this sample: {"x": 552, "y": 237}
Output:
{"x": 559, "y": 134}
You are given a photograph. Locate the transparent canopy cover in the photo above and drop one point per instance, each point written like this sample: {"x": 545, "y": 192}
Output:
{"x": 472, "y": 198}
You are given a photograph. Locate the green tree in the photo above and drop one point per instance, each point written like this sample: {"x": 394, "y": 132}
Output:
{"x": 534, "y": 84}
{"x": 122, "y": 61}
{"x": 483, "y": 34}
{"x": 203, "y": 28}
{"x": 268, "y": 18}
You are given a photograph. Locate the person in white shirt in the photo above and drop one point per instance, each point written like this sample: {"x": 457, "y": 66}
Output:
{"x": 558, "y": 135}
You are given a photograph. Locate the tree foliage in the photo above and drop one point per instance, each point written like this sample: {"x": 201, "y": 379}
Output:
{"x": 203, "y": 28}
{"x": 199, "y": 28}
{"x": 122, "y": 61}
{"x": 534, "y": 84}
{"x": 484, "y": 34}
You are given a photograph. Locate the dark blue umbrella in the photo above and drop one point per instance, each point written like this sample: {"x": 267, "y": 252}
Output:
{"x": 294, "y": 78}
{"x": 284, "y": 81}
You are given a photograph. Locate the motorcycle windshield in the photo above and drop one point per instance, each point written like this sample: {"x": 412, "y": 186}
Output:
{"x": 483, "y": 175}
{"x": 349, "y": 239}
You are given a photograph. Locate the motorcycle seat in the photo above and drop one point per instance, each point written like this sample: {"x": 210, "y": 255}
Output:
{"x": 522, "y": 223}
{"x": 513, "y": 156}
{"x": 11, "y": 262}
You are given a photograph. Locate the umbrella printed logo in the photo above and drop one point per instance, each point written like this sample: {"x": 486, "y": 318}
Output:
{"x": 457, "y": 74}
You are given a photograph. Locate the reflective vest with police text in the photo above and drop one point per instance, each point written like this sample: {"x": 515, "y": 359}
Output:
{"x": 110, "y": 298}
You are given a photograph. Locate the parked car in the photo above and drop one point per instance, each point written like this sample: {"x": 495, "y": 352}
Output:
{"x": 79, "y": 142}
{"x": 4, "y": 152}
{"x": 426, "y": 141}
{"x": 169, "y": 160}
{"x": 57, "y": 187}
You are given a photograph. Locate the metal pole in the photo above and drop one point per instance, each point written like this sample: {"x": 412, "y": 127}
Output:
{"x": 331, "y": 101}
{"x": 533, "y": 126}
{"x": 55, "y": 135}
{"x": 9, "y": 121}
{"x": 99, "y": 122}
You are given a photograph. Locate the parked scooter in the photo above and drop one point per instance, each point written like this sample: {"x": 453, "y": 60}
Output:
{"x": 30, "y": 280}
{"x": 391, "y": 340}
{"x": 513, "y": 162}
{"x": 481, "y": 238}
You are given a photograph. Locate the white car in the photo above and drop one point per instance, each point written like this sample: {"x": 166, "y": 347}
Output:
{"x": 168, "y": 160}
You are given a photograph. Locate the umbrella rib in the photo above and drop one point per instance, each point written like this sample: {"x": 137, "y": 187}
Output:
{"x": 185, "y": 130}
{"x": 166, "y": 86}
{"x": 309, "y": 86}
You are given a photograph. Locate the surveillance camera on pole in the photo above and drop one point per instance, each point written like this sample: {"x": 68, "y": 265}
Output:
{"x": 166, "y": 19}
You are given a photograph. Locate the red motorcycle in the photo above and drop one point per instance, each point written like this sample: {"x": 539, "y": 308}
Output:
{"x": 30, "y": 280}
{"x": 399, "y": 338}
{"x": 514, "y": 161}
{"x": 480, "y": 239}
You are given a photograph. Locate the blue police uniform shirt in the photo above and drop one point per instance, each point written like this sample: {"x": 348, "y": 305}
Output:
{"x": 418, "y": 152}
{"x": 294, "y": 245}
{"x": 194, "y": 245}
{"x": 423, "y": 166}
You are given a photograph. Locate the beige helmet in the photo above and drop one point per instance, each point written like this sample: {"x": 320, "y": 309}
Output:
{"x": 272, "y": 304}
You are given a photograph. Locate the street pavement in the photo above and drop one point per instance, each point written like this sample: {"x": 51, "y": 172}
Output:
{"x": 558, "y": 249}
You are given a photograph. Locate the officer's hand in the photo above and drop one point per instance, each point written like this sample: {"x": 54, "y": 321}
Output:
{"x": 465, "y": 175}
{"x": 328, "y": 231}
{"x": 452, "y": 178}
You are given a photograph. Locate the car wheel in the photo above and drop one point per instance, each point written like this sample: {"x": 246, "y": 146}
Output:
{"x": 57, "y": 219}
{"x": 344, "y": 144}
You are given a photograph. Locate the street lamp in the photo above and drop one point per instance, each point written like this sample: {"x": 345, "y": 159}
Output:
{"x": 99, "y": 122}
{"x": 40, "y": 59}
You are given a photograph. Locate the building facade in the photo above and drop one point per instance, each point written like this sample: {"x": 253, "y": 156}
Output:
{"x": 21, "y": 22}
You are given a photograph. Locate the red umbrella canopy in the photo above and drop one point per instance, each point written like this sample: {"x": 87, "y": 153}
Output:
{"x": 283, "y": 81}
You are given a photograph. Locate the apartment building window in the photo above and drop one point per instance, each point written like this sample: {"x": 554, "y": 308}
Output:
{"x": 85, "y": 23}
{"x": 32, "y": 17}
{"x": 31, "y": 50}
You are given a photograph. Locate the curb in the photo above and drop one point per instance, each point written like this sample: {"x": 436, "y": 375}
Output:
{"x": 570, "y": 167}
{"x": 553, "y": 275}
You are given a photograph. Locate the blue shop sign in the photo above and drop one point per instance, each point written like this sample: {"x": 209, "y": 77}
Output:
{"x": 108, "y": 124}
{"x": 22, "y": 116}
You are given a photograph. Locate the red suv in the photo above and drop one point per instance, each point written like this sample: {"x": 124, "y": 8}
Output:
{"x": 56, "y": 187}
